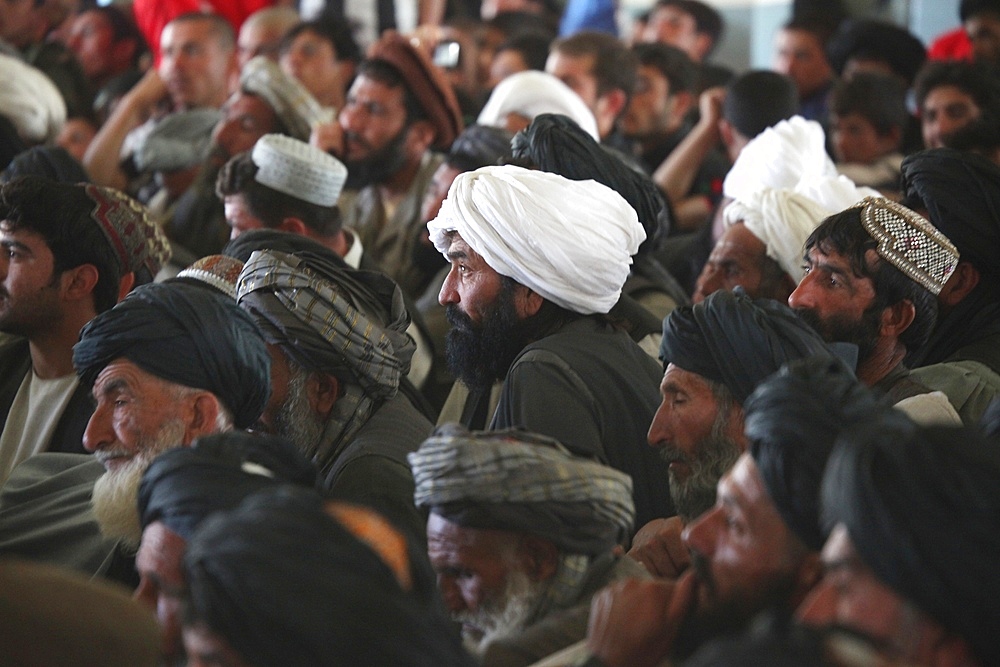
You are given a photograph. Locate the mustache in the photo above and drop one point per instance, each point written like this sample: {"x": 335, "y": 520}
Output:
{"x": 670, "y": 454}
{"x": 356, "y": 138}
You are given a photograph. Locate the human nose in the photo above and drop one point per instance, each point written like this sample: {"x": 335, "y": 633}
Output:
{"x": 802, "y": 296}
{"x": 659, "y": 429}
{"x": 99, "y": 432}
{"x": 449, "y": 293}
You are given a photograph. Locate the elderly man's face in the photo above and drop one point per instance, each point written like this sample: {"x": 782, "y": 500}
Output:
{"x": 850, "y": 596}
{"x": 836, "y": 302}
{"x": 698, "y": 438}
{"x": 161, "y": 581}
{"x": 738, "y": 259}
{"x": 472, "y": 286}
{"x": 483, "y": 576}
{"x": 744, "y": 555}
{"x": 245, "y": 119}
{"x": 194, "y": 64}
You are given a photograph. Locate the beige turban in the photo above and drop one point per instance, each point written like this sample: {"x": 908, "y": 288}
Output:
{"x": 30, "y": 101}
{"x": 532, "y": 93}
{"x": 783, "y": 185}
{"x": 570, "y": 241}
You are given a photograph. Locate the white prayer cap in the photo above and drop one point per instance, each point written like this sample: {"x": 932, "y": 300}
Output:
{"x": 30, "y": 101}
{"x": 298, "y": 169}
{"x": 532, "y": 93}
{"x": 783, "y": 185}
{"x": 570, "y": 241}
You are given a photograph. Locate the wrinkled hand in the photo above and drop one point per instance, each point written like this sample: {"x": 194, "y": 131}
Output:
{"x": 658, "y": 546}
{"x": 634, "y": 622}
{"x": 328, "y": 137}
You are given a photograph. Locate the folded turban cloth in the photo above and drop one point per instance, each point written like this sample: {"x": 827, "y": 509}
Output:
{"x": 876, "y": 40}
{"x": 30, "y": 101}
{"x": 519, "y": 481}
{"x": 187, "y": 335}
{"x": 286, "y": 584}
{"x": 792, "y": 421}
{"x": 52, "y": 162}
{"x": 782, "y": 201}
{"x": 426, "y": 81}
{"x": 736, "y": 341}
{"x": 922, "y": 507}
{"x": 180, "y": 140}
{"x": 556, "y": 144}
{"x": 330, "y": 318}
{"x": 183, "y": 486}
{"x": 294, "y": 106}
{"x": 479, "y": 146}
{"x": 961, "y": 193}
{"x": 570, "y": 241}
{"x": 532, "y": 93}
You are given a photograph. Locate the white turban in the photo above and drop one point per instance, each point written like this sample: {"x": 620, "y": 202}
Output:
{"x": 30, "y": 101}
{"x": 532, "y": 93}
{"x": 570, "y": 241}
{"x": 783, "y": 185}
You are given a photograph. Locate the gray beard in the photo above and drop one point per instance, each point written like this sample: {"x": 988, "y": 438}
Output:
{"x": 296, "y": 420}
{"x": 716, "y": 454}
{"x": 115, "y": 499}
{"x": 504, "y": 615}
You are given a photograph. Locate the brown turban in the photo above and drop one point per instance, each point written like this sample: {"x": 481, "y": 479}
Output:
{"x": 426, "y": 82}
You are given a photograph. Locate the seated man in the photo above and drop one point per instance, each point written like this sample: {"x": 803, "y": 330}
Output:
{"x": 800, "y": 54}
{"x": 774, "y": 208}
{"x": 159, "y": 382}
{"x": 758, "y": 548}
{"x": 950, "y": 96}
{"x": 537, "y": 262}
{"x": 180, "y": 488}
{"x": 695, "y": 28}
{"x": 910, "y": 561}
{"x": 520, "y": 534}
{"x": 865, "y": 285}
{"x": 69, "y": 253}
{"x": 339, "y": 349}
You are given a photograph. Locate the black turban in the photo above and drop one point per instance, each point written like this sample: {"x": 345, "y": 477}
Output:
{"x": 792, "y": 421}
{"x": 246, "y": 243}
{"x": 961, "y": 193}
{"x": 187, "y": 335}
{"x": 733, "y": 340}
{"x": 286, "y": 584}
{"x": 556, "y": 144}
{"x": 479, "y": 146}
{"x": 876, "y": 40}
{"x": 183, "y": 486}
{"x": 922, "y": 507}
{"x": 51, "y": 162}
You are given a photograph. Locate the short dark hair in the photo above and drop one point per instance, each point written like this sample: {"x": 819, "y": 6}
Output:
{"x": 758, "y": 99}
{"x": 971, "y": 8}
{"x": 221, "y": 28}
{"x": 843, "y": 233}
{"x": 237, "y": 177}
{"x": 61, "y": 214}
{"x": 817, "y": 24}
{"x": 614, "y": 64}
{"x": 386, "y": 73}
{"x": 880, "y": 98}
{"x": 333, "y": 29}
{"x": 671, "y": 62}
{"x": 533, "y": 47}
{"x": 975, "y": 79}
{"x": 707, "y": 21}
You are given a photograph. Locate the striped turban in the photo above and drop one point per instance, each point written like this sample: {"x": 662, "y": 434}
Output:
{"x": 570, "y": 241}
{"x": 330, "y": 318}
{"x": 519, "y": 481}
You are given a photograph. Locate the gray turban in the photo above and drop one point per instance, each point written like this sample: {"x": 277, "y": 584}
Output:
{"x": 187, "y": 335}
{"x": 736, "y": 341}
{"x": 329, "y": 318}
{"x": 523, "y": 482}
{"x": 792, "y": 421}
{"x": 922, "y": 507}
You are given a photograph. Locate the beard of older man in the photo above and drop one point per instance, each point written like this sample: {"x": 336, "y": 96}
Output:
{"x": 695, "y": 494}
{"x": 116, "y": 492}
{"x": 296, "y": 419}
{"x": 504, "y": 614}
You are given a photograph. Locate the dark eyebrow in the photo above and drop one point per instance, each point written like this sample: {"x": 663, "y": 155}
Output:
{"x": 457, "y": 254}
{"x": 11, "y": 244}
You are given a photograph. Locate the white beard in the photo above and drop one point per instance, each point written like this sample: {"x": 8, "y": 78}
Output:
{"x": 505, "y": 615}
{"x": 116, "y": 492}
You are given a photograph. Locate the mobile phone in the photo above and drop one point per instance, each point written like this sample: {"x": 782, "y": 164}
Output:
{"x": 447, "y": 54}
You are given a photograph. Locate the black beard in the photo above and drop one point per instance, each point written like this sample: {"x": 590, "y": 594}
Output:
{"x": 379, "y": 165}
{"x": 481, "y": 354}
{"x": 838, "y": 329}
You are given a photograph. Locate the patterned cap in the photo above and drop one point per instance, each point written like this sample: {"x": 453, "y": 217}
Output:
{"x": 128, "y": 228}
{"x": 218, "y": 271}
{"x": 298, "y": 169}
{"x": 294, "y": 105}
{"x": 909, "y": 242}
